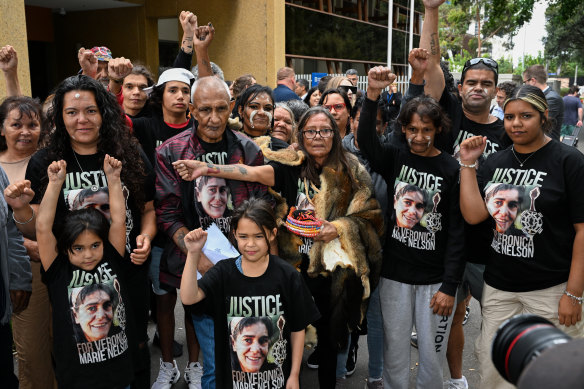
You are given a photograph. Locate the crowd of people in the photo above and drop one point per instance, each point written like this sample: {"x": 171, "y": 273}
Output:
{"x": 269, "y": 210}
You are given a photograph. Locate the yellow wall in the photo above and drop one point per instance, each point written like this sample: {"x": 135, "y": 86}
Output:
{"x": 249, "y": 34}
{"x": 13, "y": 32}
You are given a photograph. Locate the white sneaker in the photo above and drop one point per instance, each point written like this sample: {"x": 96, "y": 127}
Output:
{"x": 167, "y": 376}
{"x": 193, "y": 374}
{"x": 456, "y": 383}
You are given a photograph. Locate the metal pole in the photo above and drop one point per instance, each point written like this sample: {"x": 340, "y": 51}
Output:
{"x": 411, "y": 34}
{"x": 389, "y": 31}
{"x": 576, "y": 76}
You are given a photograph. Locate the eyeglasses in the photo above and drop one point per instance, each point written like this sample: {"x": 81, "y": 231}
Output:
{"x": 527, "y": 80}
{"x": 338, "y": 107}
{"x": 324, "y": 133}
{"x": 346, "y": 89}
{"x": 492, "y": 64}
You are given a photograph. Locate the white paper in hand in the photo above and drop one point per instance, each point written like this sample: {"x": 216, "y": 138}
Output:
{"x": 217, "y": 246}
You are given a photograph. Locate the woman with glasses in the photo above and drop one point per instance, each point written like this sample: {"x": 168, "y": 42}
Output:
{"x": 339, "y": 105}
{"x": 336, "y": 188}
{"x": 537, "y": 258}
{"x": 422, "y": 264}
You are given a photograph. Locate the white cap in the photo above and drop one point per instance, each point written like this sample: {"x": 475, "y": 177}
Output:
{"x": 174, "y": 74}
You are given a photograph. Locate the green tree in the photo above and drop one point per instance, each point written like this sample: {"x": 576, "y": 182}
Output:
{"x": 565, "y": 31}
{"x": 493, "y": 18}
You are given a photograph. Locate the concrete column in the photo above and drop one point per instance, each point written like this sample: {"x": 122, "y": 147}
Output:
{"x": 13, "y": 32}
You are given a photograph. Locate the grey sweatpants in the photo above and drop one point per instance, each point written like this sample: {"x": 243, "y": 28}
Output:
{"x": 403, "y": 305}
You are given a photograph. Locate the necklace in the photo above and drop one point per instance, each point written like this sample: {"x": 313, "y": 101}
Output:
{"x": 521, "y": 163}
{"x": 94, "y": 188}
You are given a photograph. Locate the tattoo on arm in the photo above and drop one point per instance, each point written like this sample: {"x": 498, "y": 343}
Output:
{"x": 212, "y": 169}
{"x": 187, "y": 46}
{"x": 434, "y": 44}
{"x": 180, "y": 241}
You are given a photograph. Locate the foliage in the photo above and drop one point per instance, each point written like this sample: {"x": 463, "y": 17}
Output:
{"x": 505, "y": 65}
{"x": 565, "y": 31}
{"x": 495, "y": 17}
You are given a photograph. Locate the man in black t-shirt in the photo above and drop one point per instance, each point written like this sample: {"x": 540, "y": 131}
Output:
{"x": 470, "y": 116}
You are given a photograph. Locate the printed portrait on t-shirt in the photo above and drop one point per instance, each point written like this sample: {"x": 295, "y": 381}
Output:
{"x": 98, "y": 316}
{"x": 257, "y": 350}
{"x": 304, "y": 195}
{"x": 415, "y": 208}
{"x": 513, "y": 209}
{"x": 416, "y": 219}
{"x": 306, "y": 191}
{"x": 213, "y": 202}
{"x": 504, "y": 202}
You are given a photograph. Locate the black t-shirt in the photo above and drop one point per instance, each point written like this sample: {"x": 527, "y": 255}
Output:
{"x": 86, "y": 186}
{"x": 463, "y": 128}
{"x": 254, "y": 317}
{"x": 212, "y": 195}
{"x": 93, "y": 335}
{"x": 476, "y": 236}
{"x": 151, "y": 132}
{"x": 424, "y": 243}
{"x": 534, "y": 209}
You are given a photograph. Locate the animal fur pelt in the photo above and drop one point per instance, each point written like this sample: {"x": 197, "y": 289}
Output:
{"x": 353, "y": 260}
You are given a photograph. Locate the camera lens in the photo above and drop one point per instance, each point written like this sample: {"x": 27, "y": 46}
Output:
{"x": 521, "y": 339}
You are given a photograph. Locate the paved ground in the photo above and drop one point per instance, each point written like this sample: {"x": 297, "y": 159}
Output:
{"x": 308, "y": 377}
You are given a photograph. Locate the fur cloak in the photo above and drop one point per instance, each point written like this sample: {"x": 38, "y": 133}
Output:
{"x": 353, "y": 260}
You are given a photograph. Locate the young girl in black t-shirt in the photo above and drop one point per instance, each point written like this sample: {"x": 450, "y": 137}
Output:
{"x": 81, "y": 270}
{"x": 261, "y": 300}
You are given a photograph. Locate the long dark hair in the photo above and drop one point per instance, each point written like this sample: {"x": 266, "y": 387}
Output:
{"x": 346, "y": 100}
{"x": 535, "y": 97}
{"x": 76, "y": 222}
{"x": 27, "y": 106}
{"x": 257, "y": 210}
{"x": 114, "y": 135}
{"x": 336, "y": 158}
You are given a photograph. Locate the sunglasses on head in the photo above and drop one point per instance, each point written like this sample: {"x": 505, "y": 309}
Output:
{"x": 491, "y": 64}
{"x": 346, "y": 89}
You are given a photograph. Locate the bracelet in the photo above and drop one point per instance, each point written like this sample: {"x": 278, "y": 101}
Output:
{"x": 149, "y": 237}
{"x": 468, "y": 166}
{"x": 117, "y": 80}
{"x": 570, "y": 295}
{"x": 26, "y": 222}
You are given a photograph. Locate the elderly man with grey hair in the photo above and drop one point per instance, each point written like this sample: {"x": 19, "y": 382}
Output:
{"x": 177, "y": 212}
{"x": 217, "y": 71}
{"x": 353, "y": 76}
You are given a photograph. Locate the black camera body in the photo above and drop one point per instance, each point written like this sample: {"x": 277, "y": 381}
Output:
{"x": 518, "y": 345}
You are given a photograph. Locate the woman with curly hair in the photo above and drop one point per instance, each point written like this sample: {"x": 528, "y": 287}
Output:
{"x": 85, "y": 123}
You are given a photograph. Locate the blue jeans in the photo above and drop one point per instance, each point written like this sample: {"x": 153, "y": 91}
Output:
{"x": 342, "y": 360}
{"x": 375, "y": 335}
{"x": 154, "y": 270}
{"x": 204, "y": 328}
